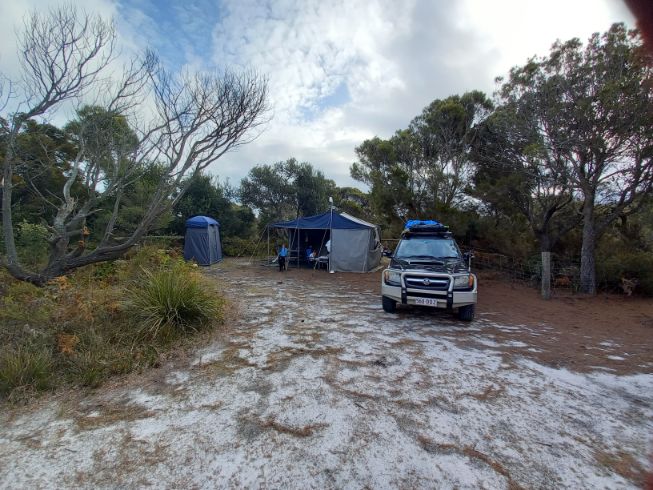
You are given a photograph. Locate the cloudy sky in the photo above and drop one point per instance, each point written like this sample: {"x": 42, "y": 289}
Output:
{"x": 340, "y": 71}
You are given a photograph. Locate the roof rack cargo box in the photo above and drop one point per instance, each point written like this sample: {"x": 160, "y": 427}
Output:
{"x": 425, "y": 226}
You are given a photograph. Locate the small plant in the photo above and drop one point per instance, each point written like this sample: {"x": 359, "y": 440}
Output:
{"x": 172, "y": 301}
{"x": 32, "y": 243}
{"x": 23, "y": 302}
{"x": 25, "y": 368}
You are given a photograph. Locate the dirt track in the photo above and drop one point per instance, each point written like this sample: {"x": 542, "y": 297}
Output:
{"x": 313, "y": 386}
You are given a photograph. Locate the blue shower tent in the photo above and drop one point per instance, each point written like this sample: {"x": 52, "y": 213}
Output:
{"x": 202, "y": 240}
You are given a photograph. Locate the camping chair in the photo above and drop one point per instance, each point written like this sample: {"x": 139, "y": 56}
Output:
{"x": 321, "y": 260}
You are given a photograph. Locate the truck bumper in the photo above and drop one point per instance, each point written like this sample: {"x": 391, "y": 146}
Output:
{"x": 443, "y": 299}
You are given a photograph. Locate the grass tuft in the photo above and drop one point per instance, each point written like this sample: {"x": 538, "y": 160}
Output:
{"x": 172, "y": 301}
{"x": 25, "y": 368}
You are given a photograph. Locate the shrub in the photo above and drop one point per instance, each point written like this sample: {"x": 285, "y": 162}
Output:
{"x": 171, "y": 301}
{"x": 23, "y": 302}
{"x": 81, "y": 329}
{"x": 27, "y": 367}
{"x": 629, "y": 265}
{"x": 243, "y": 247}
{"x": 31, "y": 244}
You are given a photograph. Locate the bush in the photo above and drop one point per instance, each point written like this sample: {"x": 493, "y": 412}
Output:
{"x": 171, "y": 301}
{"x": 25, "y": 368}
{"x": 23, "y": 302}
{"x": 31, "y": 244}
{"x": 83, "y": 328}
{"x": 636, "y": 265}
{"x": 243, "y": 247}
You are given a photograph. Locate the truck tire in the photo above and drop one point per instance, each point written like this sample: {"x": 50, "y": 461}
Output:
{"x": 466, "y": 313}
{"x": 389, "y": 305}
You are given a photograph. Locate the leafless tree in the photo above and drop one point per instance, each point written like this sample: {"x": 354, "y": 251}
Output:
{"x": 196, "y": 119}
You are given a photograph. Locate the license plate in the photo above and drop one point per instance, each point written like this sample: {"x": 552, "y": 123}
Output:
{"x": 426, "y": 301}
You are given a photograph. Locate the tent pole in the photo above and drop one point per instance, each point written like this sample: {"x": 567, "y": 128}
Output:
{"x": 331, "y": 234}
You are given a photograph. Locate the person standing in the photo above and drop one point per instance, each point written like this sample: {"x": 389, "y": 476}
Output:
{"x": 283, "y": 253}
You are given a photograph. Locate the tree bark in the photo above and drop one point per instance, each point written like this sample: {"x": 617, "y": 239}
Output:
{"x": 7, "y": 221}
{"x": 546, "y": 275}
{"x": 545, "y": 250}
{"x": 587, "y": 261}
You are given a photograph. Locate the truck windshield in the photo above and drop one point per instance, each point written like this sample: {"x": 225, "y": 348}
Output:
{"x": 436, "y": 248}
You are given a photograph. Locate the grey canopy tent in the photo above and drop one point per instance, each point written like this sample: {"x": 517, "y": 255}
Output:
{"x": 202, "y": 240}
{"x": 354, "y": 243}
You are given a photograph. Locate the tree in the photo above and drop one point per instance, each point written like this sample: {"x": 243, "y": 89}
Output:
{"x": 42, "y": 153}
{"x": 286, "y": 190}
{"x": 519, "y": 173}
{"x": 355, "y": 202}
{"x": 397, "y": 185}
{"x": 423, "y": 170}
{"x": 207, "y": 196}
{"x": 446, "y": 130}
{"x": 595, "y": 103}
{"x": 197, "y": 118}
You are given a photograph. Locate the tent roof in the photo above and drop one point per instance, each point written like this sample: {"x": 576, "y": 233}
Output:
{"x": 201, "y": 222}
{"x": 341, "y": 221}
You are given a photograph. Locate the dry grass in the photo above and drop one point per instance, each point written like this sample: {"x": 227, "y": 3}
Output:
{"x": 271, "y": 424}
{"x": 110, "y": 413}
{"x": 280, "y": 359}
{"x": 623, "y": 464}
{"x": 472, "y": 453}
{"x": 113, "y": 465}
{"x": 492, "y": 392}
{"x": 230, "y": 361}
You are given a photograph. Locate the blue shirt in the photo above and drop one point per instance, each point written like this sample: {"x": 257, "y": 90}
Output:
{"x": 283, "y": 252}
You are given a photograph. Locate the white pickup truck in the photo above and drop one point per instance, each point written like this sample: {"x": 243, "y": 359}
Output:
{"x": 427, "y": 268}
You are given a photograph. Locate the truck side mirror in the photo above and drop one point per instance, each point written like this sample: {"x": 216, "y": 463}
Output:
{"x": 467, "y": 257}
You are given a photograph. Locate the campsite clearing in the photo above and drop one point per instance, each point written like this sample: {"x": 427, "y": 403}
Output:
{"x": 311, "y": 385}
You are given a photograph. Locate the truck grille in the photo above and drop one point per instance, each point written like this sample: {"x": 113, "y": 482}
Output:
{"x": 427, "y": 283}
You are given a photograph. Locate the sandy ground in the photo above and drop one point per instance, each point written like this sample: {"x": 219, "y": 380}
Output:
{"x": 313, "y": 386}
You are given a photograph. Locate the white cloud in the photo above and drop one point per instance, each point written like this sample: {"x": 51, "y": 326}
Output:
{"x": 394, "y": 57}
{"x": 341, "y": 71}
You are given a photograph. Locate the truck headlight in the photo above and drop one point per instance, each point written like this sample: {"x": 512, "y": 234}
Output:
{"x": 465, "y": 281}
{"x": 392, "y": 277}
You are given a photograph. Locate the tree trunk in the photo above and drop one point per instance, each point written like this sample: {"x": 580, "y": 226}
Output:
{"x": 587, "y": 263}
{"x": 545, "y": 249}
{"x": 546, "y": 275}
{"x": 7, "y": 222}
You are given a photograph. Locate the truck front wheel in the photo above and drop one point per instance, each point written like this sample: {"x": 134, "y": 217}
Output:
{"x": 389, "y": 305}
{"x": 466, "y": 313}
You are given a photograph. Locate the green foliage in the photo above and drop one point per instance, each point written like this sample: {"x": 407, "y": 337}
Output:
{"x": 25, "y": 369}
{"x": 286, "y": 190}
{"x": 587, "y": 111}
{"x": 424, "y": 169}
{"x": 355, "y": 202}
{"x": 82, "y": 329}
{"x": 43, "y": 155}
{"x": 242, "y": 247}
{"x": 31, "y": 244}
{"x": 23, "y": 302}
{"x": 172, "y": 301}
{"x": 635, "y": 265}
{"x": 106, "y": 137}
{"x": 134, "y": 201}
{"x": 207, "y": 196}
